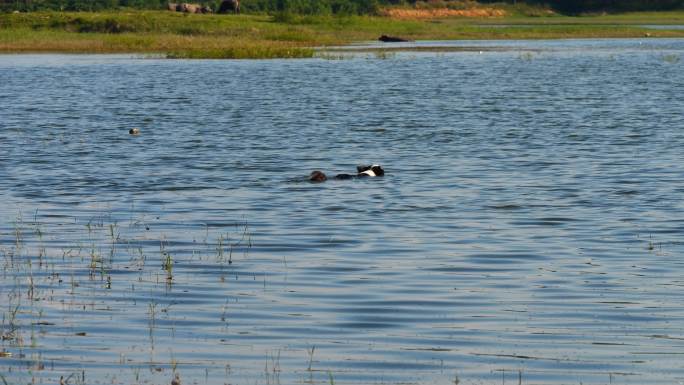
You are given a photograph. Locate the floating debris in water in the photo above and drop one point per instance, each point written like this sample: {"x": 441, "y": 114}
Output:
{"x": 176, "y": 380}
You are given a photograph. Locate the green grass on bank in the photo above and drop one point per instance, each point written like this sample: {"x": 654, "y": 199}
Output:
{"x": 263, "y": 36}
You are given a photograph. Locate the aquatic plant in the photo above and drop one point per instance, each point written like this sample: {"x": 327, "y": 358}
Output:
{"x": 167, "y": 260}
{"x": 310, "y": 352}
{"x": 244, "y": 52}
{"x": 274, "y": 371}
{"x": 526, "y": 56}
{"x": 151, "y": 322}
{"x": 326, "y": 55}
{"x": 670, "y": 58}
{"x": 113, "y": 232}
{"x": 18, "y": 236}
{"x": 174, "y": 364}
{"x": 384, "y": 54}
{"x": 13, "y": 326}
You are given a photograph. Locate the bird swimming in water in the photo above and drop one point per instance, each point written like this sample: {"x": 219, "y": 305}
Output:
{"x": 361, "y": 171}
{"x": 317, "y": 176}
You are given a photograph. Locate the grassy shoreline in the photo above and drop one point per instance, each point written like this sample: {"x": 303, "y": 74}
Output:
{"x": 178, "y": 35}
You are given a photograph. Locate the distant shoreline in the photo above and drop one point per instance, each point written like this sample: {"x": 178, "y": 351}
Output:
{"x": 176, "y": 35}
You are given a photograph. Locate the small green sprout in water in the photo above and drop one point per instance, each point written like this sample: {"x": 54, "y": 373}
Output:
{"x": 275, "y": 366}
{"x": 651, "y": 244}
{"x": 223, "y": 314}
{"x": 330, "y": 56}
{"x": 152, "y": 310}
{"x": 167, "y": 261}
{"x": 219, "y": 249}
{"x": 11, "y": 334}
{"x": 168, "y": 266}
{"x": 34, "y": 341}
{"x": 31, "y": 287}
{"x": 174, "y": 364}
{"x": 670, "y": 58}
{"x": 65, "y": 381}
{"x": 17, "y": 236}
{"x": 311, "y": 354}
{"x": 384, "y": 55}
{"x": 526, "y": 56}
{"x": 114, "y": 233}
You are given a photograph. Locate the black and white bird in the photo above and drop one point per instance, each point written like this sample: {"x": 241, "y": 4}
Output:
{"x": 361, "y": 172}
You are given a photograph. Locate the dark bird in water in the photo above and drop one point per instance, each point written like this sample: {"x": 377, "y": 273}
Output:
{"x": 134, "y": 131}
{"x": 361, "y": 171}
{"x": 372, "y": 170}
{"x": 392, "y": 39}
{"x": 317, "y": 176}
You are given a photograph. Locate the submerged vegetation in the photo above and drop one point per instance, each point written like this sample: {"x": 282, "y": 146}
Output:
{"x": 244, "y": 52}
{"x": 40, "y": 269}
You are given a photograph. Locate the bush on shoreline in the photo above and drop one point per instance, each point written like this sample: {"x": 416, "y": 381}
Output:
{"x": 346, "y": 7}
{"x": 304, "y": 7}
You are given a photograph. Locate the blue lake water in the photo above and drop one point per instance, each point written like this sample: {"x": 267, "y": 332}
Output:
{"x": 528, "y": 228}
{"x": 664, "y": 26}
{"x": 647, "y": 26}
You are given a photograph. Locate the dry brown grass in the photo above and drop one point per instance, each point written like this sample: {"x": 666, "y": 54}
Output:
{"x": 435, "y": 13}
